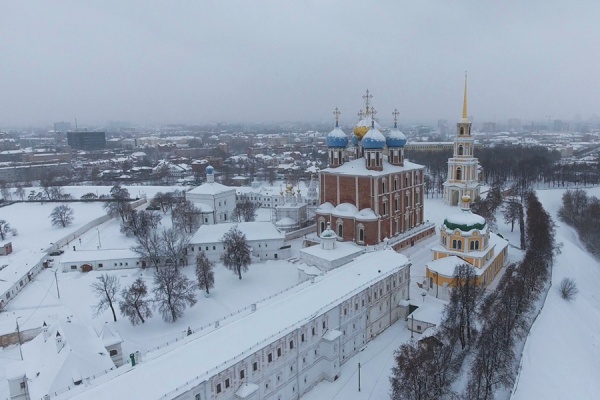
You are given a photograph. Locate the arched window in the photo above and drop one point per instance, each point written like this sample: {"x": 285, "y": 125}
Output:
{"x": 361, "y": 234}
{"x": 454, "y": 244}
{"x": 396, "y": 204}
{"x": 340, "y": 229}
{"x": 459, "y": 243}
{"x": 322, "y": 224}
{"x": 462, "y": 131}
{"x": 458, "y": 174}
{"x": 384, "y": 208}
{"x": 477, "y": 245}
{"x": 472, "y": 245}
{"x": 460, "y": 150}
{"x": 395, "y": 183}
{"x": 383, "y": 186}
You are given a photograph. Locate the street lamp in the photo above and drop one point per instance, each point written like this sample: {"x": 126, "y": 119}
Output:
{"x": 360, "y": 351}
{"x": 19, "y": 337}
{"x": 99, "y": 244}
{"x": 56, "y": 279}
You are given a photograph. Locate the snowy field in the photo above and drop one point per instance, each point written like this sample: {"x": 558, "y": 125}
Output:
{"x": 561, "y": 358}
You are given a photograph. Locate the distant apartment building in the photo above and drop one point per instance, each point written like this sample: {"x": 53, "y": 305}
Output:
{"x": 86, "y": 140}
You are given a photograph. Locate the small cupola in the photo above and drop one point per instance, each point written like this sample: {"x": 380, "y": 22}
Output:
{"x": 395, "y": 143}
{"x": 337, "y": 141}
{"x": 328, "y": 238}
{"x": 373, "y": 143}
{"x": 210, "y": 174}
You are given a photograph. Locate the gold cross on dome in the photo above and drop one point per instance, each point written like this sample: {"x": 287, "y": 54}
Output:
{"x": 336, "y": 114}
{"x": 373, "y": 112}
{"x": 368, "y": 96}
{"x": 395, "y": 114}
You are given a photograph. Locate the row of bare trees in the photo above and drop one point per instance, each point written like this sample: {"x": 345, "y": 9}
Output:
{"x": 583, "y": 213}
{"x": 485, "y": 327}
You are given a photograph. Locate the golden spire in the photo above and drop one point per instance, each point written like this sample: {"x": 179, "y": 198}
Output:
{"x": 464, "y": 113}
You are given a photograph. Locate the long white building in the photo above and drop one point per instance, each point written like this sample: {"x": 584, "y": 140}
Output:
{"x": 283, "y": 348}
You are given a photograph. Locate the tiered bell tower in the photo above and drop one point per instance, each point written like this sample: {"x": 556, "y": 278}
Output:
{"x": 463, "y": 168}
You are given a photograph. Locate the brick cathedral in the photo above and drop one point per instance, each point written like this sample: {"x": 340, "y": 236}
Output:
{"x": 369, "y": 194}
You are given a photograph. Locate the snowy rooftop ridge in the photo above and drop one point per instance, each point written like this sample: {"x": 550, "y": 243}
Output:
{"x": 266, "y": 324}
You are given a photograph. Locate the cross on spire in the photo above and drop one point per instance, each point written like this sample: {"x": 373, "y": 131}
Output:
{"x": 465, "y": 113}
{"x": 360, "y": 115}
{"x": 395, "y": 114}
{"x": 373, "y": 112}
{"x": 368, "y": 96}
{"x": 336, "y": 114}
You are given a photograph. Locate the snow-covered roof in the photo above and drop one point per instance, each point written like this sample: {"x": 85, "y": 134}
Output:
{"x": 253, "y": 231}
{"x": 465, "y": 220}
{"x": 109, "y": 336}
{"x": 429, "y": 310}
{"x": 270, "y": 322}
{"x": 211, "y": 188}
{"x": 286, "y": 221}
{"x": 49, "y": 370}
{"x": 445, "y": 266}
{"x": 98, "y": 255}
{"x": 341, "y": 249}
{"x": 357, "y": 167}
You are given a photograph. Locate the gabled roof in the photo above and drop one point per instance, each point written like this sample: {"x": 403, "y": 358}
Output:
{"x": 49, "y": 369}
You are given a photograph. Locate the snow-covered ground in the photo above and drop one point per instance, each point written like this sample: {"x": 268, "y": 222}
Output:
{"x": 39, "y": 300}
{"x": 561, "y": 358}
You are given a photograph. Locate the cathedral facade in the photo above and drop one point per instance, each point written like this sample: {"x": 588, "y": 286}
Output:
{"x": 370, "y": 194}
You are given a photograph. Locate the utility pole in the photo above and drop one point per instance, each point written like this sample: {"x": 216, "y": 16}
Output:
{"x": 359, "y": 376}
{"x": 56, "y": 279}
{"x": 19, "y": 337}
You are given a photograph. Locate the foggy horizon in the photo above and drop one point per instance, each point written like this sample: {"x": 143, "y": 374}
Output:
{"x": 158, "y": 63}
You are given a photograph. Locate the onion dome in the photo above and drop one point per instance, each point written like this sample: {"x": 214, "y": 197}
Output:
{"x": 210, "y": 170}
{"x": 363, "y": 126}
{"x": 355, "y": 140}
{"x": 374, "y": 139}
{"x": 395, "y": 138}
{"x": 337, "y": 138}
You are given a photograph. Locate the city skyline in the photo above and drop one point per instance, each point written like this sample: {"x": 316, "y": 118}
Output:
{"x": 152, "y": 63}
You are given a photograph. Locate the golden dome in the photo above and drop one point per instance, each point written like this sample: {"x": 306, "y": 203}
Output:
{"x": 362, "y": 127}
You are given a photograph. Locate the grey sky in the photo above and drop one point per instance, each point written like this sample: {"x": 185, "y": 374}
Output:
{"x": 198, "y": 61}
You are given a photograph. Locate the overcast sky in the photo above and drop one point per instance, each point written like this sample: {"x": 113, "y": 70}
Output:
{"x": 253, "y": 61}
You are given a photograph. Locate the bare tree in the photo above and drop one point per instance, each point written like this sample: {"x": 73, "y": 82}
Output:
{"x": 464, "y": 295}
{"x": 5, "y": 190}
{"x": 5, "y": 229}
{"x": 568, "y": 289}
{"x": 186, "y": 216}
{"x": 424, "y": 370}
{"x": 173, "y": 292}
{"x": 175, "y": 246}
{"x": 139, "y": 223}
{"x": 105, "y": 290}
{"x": 134, "y": 304}
{"x": 244, "y": 211}
{"x": 236, "y": 252}
{"x": 121, "y": 206}
{"x": 150, "y": 248}
{"x": 512, "y": 210}
{"x": 62, "y": 215}
{"x": 20, "y": 191}
{"x": 204, "y": 272}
